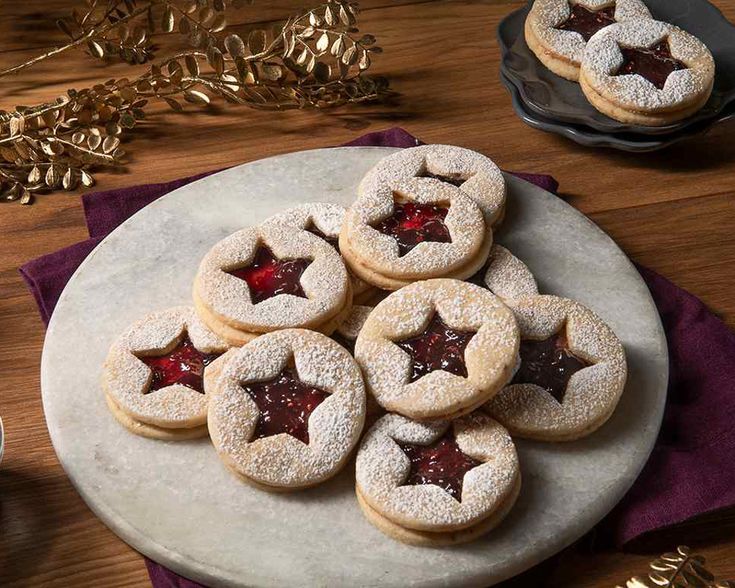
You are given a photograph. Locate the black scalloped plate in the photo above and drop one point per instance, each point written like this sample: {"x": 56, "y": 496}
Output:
{"x": 621, "y": 141}
{"x": 553, "y": 97}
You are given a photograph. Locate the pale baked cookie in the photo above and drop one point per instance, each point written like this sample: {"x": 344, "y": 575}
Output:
{"x": 571, "y": 376}
{"x": 437, "y": 349}
{"x": 323, "y": 219}
{"x": 265, "y": 278}
{"x": 646, "y": 72}
{"x": 557, "y": 31}
{"x": 287, "y": 410}
{"x": 348, "y": 330}
{"x": 414, "y": 229}
{"x": 506, "y": 276}
{"x": 436, "y": 483}
{"x": 156, "y": 374}
{"x": 475, "y": 174}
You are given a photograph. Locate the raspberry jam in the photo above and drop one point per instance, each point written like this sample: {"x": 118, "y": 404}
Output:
{"x": 587, "y": 22}
{"x": 285, "y": 404}
{"x": 412, "y": 223}
{"x": 439, "y": 347}
{"x": 654, "y": 63}
{"x": 184, "y": 365}
{"x": 441, "y": 463}
{"x": 453, "y": 180}
{"x": 314, "y": 230}
{"x": 268, "y": 276}
{"x": 548, "y": 364}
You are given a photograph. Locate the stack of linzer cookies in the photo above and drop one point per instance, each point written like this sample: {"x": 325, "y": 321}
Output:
{"x": 400, "y": 311}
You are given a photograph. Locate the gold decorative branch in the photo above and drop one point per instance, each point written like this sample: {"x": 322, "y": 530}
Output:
{"x": 315, "y": 60}
{"x": 678, "y": 570}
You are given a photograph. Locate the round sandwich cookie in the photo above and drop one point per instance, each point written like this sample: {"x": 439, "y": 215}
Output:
{"x": 437, "y": 349}
{"x": 323, "y": 219}
{"x": 558, "y": 31}
{"x": 158, "y": 374}
{"x": 348, "y": 330}
{"x": 287, "y": 410}
{"x": 647, "y": 72}
{"x": 506, "y": 276}
{"x": 414, "y": 229}
{"x": 476, "y": 175}
{"x": 261, "y": 279}
{"x": 571, "y": 375}
{"x": 436, "y": 483}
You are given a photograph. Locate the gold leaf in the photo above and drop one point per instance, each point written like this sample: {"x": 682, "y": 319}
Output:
{"x": 307, "y": 33}
{"x": 303, "y": 56}
{"x": 94, "y": 141}
{"x": 338, "y": 47}
{"x": 364, "y": 61}
{"x": 110, "y": 144}
{"x": 329, "y": 16}
{"x": 272, "y": 71}
{"x": 345, "y": 16}
{"x": 235, "y": 45}
{"x": 323, "y": 43}
{"x": 190, "y": 6}
{"x": 215, "y": 59}
{"x": 87, "y": 180}
{"x": 349, "y": 57}
{"x": 196, "y": 97}
{"x": 26, "y": 197}
{"x": 184, "y": 26}
{"x": 219, "y": 5}
{"x": 49, "y": 118}
{"x": 78, "y": 138}
{"x": 219, "y": 23}
{"x": 205, "y": 15}
{"x": 127, "y": 121}
{"x": 314, "y": 19}
{"x": 64, "y": 27}
{"x": 322, "y": 72}
{"x": 367, "y": 40}
{"x": 17, "y": 125}
{"x": 312, "y": 63}
{"x": 192, "y": 65}
{"x": 69, "y": 180}
{"x": 52, "y": 176}
{"x": 35, "y": 176}
{"x": 256, "y": 41}
{"x": 173, "y": 104}
{"x": 112, "y": 128}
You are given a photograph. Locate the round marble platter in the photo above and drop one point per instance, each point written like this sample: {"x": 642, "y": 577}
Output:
{"x": 176, "y": 503}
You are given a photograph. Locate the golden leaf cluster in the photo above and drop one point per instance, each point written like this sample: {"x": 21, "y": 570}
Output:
{"x": 678, "y": 570}
{"x": 317, "y": 59}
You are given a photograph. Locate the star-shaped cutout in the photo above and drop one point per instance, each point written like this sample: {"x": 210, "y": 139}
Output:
{"x": 184, "y": 365}
{"x": 412, "y": 223}
{"x": 587, "y": 22}
{"x": 442, "y": 463}
{"x": 453, "y": 180}
{"x": 314, "y": 230}
{"x": 438, "y": 347}
{"x": 268, "y": 276}
{"x": 655, "y": 63}
{"x": 549, "y": 363}
{"x": 285, "y": 404}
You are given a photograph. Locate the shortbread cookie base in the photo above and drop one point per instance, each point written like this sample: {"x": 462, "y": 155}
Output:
{"x": 438, "y": 539}
{"x": 649, "y": 119}
{"x": 558, "y": 64}
{"x": 152, "y": 431}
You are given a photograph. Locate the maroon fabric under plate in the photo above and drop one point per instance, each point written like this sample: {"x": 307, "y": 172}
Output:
{"x": 690, "y": 471}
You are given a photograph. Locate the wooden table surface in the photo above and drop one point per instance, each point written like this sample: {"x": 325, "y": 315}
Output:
{"x": 672, "y": 211}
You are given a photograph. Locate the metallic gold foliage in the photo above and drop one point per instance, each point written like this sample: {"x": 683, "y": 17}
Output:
{"x": 314, "y": 60}
{"x": 678, "y": 570}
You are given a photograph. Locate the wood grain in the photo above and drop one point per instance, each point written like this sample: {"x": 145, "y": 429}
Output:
{"x": 672, "y": 211}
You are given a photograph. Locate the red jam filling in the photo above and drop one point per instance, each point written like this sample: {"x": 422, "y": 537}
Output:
{"x": 285, "y": 404}
{"x": 654, "y": 63}
{"x": 441, "y": 463}
{"x": 268, "y": 276}
{"x": 314, "y": 230}
{"x": 587, "y": 22}
{"x": 453, "y": 180}
{"x": 412, "y": 223}
{"x": 549, "y": 364}
{"x": 439, "y": 347}
{"x": 184, "y": 365}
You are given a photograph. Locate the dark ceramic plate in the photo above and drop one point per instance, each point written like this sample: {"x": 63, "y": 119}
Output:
{"x": 622, "y": 141}
{"x": 553, "y": 97}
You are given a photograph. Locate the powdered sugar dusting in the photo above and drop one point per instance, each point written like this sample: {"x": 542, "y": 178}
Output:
{"x": 325, "y": 216}
{"x": 334, "y": 426}
{"x": 546, "y": 15}
{"x": 603, "y": 58}
{"x": 592, "y": 393}
{"x": 490, "y": 356}
{"x": 507, "y": 276}
{"x": 126, "y": 378}
{"x": 325, "y": 281}
{"x": 350, "y": 328}
{"x": 382, "y": 467}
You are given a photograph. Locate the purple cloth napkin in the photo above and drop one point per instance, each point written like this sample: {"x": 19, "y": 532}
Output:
{"x": 690, "y": 470}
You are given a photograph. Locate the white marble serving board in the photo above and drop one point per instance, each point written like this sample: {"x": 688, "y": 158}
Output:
{"x": 177, "y": 504}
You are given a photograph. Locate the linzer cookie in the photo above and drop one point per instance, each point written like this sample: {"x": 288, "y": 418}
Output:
{"x": 287, "y": 409}
{"x": 472, "y": 172}
{"x": 437, "y": 483}
{"x": 348, "y": 330}
{"x": 157, "y": 372}
{"x": 437, "y": 349}
{"x": 507, "y": 276}
{"x": 571, "y": 376}
{"x": 261, "y": 279}
{"x": 558, "y": 31}
{"x": 412, "y": 229}
{"x": 324, "y": 220}
{"x": 647, "y": 72}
